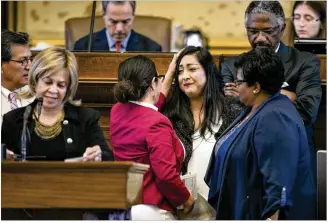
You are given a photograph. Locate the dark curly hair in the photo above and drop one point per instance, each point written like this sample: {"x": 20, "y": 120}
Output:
{"x": 263, "y": 66}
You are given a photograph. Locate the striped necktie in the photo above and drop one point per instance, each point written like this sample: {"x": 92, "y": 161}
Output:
{"x": 118, "y": 46}
{"x": 13, "y": 101}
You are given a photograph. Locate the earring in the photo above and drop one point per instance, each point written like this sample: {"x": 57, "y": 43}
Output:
{"x": 255, "y": 91}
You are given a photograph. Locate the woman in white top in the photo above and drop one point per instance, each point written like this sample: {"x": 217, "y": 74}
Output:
{"x": 198, "y": 110}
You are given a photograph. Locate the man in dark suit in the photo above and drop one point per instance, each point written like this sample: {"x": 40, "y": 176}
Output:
{"x": 118, "y": 36}
{"x": 265, "y": 23}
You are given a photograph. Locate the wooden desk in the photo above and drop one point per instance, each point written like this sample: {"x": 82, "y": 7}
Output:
{"x": 59, "y": 187}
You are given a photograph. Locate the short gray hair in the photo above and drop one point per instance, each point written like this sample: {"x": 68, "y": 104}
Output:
{"x": 105, "y": 4}
{"x": 262, "y": 7}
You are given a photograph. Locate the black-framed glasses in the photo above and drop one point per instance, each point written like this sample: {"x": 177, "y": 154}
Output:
{"x": 267, "y": 32}
{"x": 239, "y": 82}
{"x": 23, "y": 62}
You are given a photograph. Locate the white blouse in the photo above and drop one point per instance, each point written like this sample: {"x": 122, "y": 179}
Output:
{"x": 202, "y": 150}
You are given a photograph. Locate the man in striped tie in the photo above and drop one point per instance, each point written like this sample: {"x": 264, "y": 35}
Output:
{"x": 15, "y": 65}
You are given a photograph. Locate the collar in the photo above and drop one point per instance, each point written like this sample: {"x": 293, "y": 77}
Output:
{"x": 247, "y": 110}
{"x": 5, "y": 92}
{"x": 145, "y": 104}
{"x": 277, "y": 49}
{"x": 111, "y": 42}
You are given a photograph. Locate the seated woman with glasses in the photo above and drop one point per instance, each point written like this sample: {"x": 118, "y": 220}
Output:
{"x": 260, "y": 167}
{"x": 198, "y": 110}
{"x": 140, "y": 133}
{"x": 58, "y": 128}
{"x": 309, "y": 19}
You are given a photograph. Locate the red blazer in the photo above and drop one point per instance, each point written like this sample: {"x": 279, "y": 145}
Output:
{"x": 143, "y": 135}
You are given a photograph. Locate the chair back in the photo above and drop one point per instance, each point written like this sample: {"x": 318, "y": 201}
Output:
{"x": 322, "y": 184}
{"x": 156, "y": 28}
{"x": 288, "y": 35}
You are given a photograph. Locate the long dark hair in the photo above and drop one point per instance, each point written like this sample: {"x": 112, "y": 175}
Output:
{"x": 178, "y": 103}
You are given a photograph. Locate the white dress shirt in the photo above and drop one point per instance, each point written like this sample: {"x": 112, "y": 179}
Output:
{"x": 5, "y": 102}
{"x": 111, "y": 43}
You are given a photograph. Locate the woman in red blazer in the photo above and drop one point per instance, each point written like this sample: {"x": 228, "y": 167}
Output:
{"x": 140, "y": 133}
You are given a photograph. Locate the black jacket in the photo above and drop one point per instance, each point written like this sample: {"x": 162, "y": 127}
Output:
{"x": 80, "y": 130}
{"x": 302, "y": 74}
{"x": 137, "y": 42}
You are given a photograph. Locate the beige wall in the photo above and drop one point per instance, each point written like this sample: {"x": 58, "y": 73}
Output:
{"x": 221, "y": 21}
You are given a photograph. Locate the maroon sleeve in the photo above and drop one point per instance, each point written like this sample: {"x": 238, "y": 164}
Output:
{"x": 161, "y": 101}
{"x": 163, "y": 163}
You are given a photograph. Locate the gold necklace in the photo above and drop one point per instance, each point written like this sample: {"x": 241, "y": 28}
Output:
{"x": 49, "y": 131}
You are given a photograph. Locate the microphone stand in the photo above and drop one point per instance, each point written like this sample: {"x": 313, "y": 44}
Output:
{"x": 92, "y": 23}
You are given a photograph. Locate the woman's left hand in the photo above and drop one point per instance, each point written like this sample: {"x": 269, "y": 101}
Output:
{"x": 92, "y": 154}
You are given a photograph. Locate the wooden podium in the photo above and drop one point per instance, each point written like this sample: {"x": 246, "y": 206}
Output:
{"x": 72, "y": 188}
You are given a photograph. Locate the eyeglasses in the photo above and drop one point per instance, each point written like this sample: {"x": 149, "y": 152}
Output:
{"x": 23, "y": 62}
{"x": 306, "y": 19}
{"x": 239, "y": 82}
{"x": 267, "y": 32}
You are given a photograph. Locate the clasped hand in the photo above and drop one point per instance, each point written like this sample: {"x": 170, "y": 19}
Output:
{"x": 92, "y": 154}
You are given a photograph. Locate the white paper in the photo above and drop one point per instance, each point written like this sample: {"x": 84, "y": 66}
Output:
{"x": 190, "y": 181}
{"x": 75, "y": 159}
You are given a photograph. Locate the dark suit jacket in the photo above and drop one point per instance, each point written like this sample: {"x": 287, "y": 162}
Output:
{"x": 266, "y": 167}
{"x": 141, "y": 134}
{"x": 302, "y": 73}
{"x": 82, "y": 128}
{"x": 137, "y": 42}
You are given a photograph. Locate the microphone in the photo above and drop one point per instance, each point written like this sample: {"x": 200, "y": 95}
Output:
{"x": 39, "y": 106}
{"x": 23, "y": 137}
{"x": 92, "y": 24}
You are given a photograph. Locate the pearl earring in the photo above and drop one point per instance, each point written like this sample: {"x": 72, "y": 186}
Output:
{"x": 254, "y": 91}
